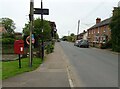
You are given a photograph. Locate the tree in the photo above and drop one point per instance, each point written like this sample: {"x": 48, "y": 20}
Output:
{"x": 37, "y": 29}
{"x": 8, "y": 24}
{"x": 56, "y": 36}
{"x": 26, "y": 29}
{"x": 115, "y": 30}
{"x": 72, "y": 34}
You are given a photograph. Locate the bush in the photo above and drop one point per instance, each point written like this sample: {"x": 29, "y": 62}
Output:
{"x": 107, "y": 45}
{"x": 7, "y": 49}
{"x": 8, "y": 41}
{"x": 53, "y": 42}
{"x": 49, "y": 48}
{"x": 7, "y": 35}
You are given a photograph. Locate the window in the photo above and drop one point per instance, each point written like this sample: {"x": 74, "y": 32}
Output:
{"x": 98, "y": 30}
{"x": 105, "y": 29}
{"x": 88, "y": 32}
{"x": 94, "y": 31}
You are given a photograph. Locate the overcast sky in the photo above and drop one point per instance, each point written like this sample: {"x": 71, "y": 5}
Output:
{"x": 65, "y": 13}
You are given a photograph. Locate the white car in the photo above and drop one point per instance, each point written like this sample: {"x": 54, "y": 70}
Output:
{"x": 77, "y": 42}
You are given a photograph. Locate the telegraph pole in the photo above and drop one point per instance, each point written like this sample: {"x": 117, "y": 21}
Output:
{"x": 42, "y": 30}
{"x": 31, "y": 28}
{"x": 78, "y": 29}
{"x": 68, "y": 33}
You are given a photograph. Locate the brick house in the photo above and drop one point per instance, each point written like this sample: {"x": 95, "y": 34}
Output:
{"x": 100, "y": 33}
{"x": 2, "y": 29}
{"x": 18, "y": 35}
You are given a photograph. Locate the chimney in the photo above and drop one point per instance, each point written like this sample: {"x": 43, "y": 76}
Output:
{"x": 98, "y": 20}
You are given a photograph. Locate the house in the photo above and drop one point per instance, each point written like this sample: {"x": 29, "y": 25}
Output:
{"x": 2, "y": 29}
{"x": 100, "y": 33}
{"x": 53, "y": 28}
{"x": 18, "y": 35}
{"x": 82, "y": 35}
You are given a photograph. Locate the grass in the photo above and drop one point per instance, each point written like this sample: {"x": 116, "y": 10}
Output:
{"x": 11, "y": 68}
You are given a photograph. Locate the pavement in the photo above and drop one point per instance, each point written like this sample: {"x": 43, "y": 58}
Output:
{"x": 52, "y": 73}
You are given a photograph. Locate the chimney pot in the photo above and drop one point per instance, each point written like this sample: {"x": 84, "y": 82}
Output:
{"x": 98, "y": 20}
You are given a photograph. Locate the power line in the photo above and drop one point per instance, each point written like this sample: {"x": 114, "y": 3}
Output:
{"x": 93, "y": 10}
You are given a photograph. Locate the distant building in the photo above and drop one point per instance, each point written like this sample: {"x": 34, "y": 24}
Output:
{"x": 53, "y": 28}
{"x": 100, "y": 33}
{"x": 18, "y": 35}
{"x": 83, "y": 35}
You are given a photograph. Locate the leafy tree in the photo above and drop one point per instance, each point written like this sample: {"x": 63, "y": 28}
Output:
{"x": 26, "y": 29}
{"x": 115, "y": 30}
{"x": 69, "y": 38}
{"x": 72, "y": 34}
{"x": 37, "y": 29}
{"x": 64, "y": 38}
{"x": 8, "y": 24}
{"x": 56, "y": 36}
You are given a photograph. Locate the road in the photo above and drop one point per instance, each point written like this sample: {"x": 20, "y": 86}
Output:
{"x": 93, "y": 67}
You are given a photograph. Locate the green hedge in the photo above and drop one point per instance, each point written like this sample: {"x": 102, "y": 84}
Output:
{"x": 107, "y": 45}
{"x": 49, "y": 48}
{"x": 7, "y": 48}
{"x": 7, "y": 40}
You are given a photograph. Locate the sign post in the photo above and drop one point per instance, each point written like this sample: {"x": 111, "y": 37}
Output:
{"x": 19, "y": 61}
{"x": 42, "y": 12}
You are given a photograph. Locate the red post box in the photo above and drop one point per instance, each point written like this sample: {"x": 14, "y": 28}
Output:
{"x": 19, "y": 47}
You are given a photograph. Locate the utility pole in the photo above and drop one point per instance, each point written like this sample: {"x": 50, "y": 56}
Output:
{"x": 78, "y": 29}
{"x": 31, "y": 28}
{"x": 42, "y": 30}
{"x": 68, "y": 33}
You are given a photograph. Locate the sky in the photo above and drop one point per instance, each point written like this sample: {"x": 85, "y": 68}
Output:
{"x": 65, "y": 13}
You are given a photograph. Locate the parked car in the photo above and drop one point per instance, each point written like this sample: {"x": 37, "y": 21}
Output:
{"x": 58, "y": 40}
{"x": 77, "y": 43}
{"x": 83, "y": 43}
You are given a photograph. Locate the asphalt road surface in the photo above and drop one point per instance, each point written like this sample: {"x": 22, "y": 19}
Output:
{"x": 93, "y": 67}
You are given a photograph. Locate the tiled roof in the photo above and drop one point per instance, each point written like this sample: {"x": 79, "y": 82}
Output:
{"x": 102, "y": 23}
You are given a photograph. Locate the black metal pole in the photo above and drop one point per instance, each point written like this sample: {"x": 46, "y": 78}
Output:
{"x": 31, "y": 28}
{"x": 42, "y": 31}
{"x": 19, "y": 61}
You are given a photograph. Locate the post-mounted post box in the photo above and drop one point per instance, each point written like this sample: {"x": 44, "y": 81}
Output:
{"x": 19, "y": 47}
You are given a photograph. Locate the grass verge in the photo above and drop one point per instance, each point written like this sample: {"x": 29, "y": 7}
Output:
{"x": 11, "y": 68}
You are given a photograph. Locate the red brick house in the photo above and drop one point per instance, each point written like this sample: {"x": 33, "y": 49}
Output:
{"x": 100, "y": 33}
{"x": 18, "y": 35}
{"x": 2, "y": 29}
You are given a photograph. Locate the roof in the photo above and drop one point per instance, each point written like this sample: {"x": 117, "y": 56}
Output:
{"x": 83, "y": 33}
{"x": 102, "y": 23}
{"x": 18, "y": 33}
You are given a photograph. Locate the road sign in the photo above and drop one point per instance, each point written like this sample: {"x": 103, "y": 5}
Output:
{"x": 39, "y": 11}
{"x": 28, "y": 38}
